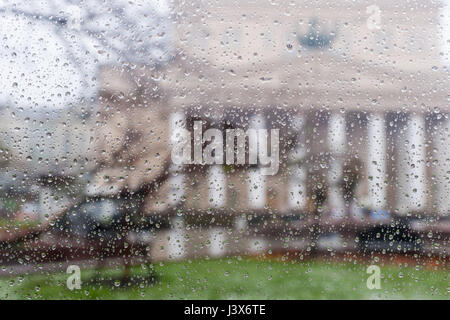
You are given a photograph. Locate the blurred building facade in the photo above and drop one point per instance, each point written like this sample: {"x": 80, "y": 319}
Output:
{"x": 358, "y": 91}
{"x": 352, "y": 87}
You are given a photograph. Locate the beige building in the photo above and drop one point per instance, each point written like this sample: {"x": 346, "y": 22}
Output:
{"x": 359, "y": 92}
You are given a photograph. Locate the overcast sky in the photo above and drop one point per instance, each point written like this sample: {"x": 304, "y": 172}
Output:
{"x": 51, "y": 50}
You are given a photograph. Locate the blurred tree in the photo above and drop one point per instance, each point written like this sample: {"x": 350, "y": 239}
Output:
{"x": 5, "y": 155}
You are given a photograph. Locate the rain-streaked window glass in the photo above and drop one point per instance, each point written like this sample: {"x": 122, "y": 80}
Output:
{"x": 251, "y": 149}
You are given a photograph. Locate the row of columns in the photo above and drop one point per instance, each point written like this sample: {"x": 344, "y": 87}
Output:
{"x": 337, "y": 143}
{"x": 297, "y": 197}
{"x": 412, "y": 166}
{"x": 410, "y": 172}
{"x": 376, "y": 164}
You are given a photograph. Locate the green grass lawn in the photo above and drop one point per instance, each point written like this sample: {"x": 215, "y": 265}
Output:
{"x": 236, "y": 278}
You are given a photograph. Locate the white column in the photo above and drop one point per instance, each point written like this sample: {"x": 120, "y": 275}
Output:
{"x": 177, "y": 187}
{"x": 217, "y": 240}
{"x": 376, "y": 161}
{"x": 176, "y": 179}
{"x": 442, "y": 170}
{"x": 297, "y": 189}
{"x": 177, "y": 248}
{"x": 297, "y": 186}
{"x": 257, "y": 181}
{"x": 412, "y": 169}
{"x": 217, "y": 186}
{"x": 337, "y": 145}
{"x": 256, "y": 189}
